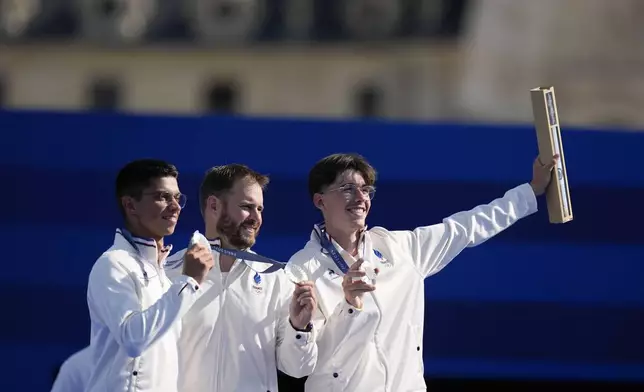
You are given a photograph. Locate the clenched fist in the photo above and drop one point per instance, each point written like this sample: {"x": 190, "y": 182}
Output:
{"x": 542, "y": 174}
{"x": 197, "y": 262}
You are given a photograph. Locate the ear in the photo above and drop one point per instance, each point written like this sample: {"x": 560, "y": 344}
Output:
{"x": 128, "y": 204}
{"x": 318, "y": 201}
{"x": 213, "y": 204}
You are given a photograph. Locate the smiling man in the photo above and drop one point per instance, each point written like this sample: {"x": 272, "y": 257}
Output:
{"x": 135, "y": 310}
{"x": 249, "y": 322}
{"x": 371, "y": 333}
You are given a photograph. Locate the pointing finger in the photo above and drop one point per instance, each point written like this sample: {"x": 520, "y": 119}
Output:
{"x": 356, "y": 266}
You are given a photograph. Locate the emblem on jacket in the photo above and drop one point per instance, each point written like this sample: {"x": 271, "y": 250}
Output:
{"x": 257, "y": 282}
{"x": 382, "y": 258}
{"x": 332, "y": 274}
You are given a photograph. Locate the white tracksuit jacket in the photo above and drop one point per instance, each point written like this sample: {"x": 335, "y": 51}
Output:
{"x": 74, "y": 372}
{"x": 135, "y": 313}
{"x": 382, "y": 350}
{"x": 238, "y": 332}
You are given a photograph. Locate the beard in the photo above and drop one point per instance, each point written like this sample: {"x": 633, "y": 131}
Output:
{"x": 235, "y": 233}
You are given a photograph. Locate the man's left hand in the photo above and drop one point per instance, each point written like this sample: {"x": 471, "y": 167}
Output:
{"x": 303, "y": 305}
{"x": 542, "y": 174}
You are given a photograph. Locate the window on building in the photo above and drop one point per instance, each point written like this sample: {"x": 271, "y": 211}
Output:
{"x": 222, "y": 98}
{"x": 368, "y": 101}
{"x": 108, "y": 8}
{"x": 105, "y": 94}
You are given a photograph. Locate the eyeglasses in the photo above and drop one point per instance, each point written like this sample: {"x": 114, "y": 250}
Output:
{"x": 168, "y": 197}
{"x": 350, "y": 191}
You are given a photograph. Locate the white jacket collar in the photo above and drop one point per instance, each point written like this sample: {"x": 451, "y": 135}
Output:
{"x": 365, "y": 249}
{"x": 215, "y": 242}
{"x": 315, "y": 239}
{"x": 146, "y": 248}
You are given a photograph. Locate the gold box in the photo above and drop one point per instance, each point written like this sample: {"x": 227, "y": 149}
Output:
{"x": 546, "y": 120}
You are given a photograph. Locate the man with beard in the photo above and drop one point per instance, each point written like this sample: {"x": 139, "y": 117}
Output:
{"x": 248, "y": 322}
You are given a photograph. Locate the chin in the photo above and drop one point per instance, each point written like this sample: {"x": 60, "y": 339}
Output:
{"x": 168, "y": 231}
{"x": 249, "y": 242}
{"x": 358, "y": 224}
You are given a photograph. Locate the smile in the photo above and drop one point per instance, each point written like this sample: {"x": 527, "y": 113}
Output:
{"x": 358, "y": 211}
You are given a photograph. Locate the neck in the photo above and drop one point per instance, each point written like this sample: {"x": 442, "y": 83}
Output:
{"x": 225, "y": 262}
{"x": 159, "y": 242}
{"x": 348, "y": 240}
{"x": 141, "y": 233}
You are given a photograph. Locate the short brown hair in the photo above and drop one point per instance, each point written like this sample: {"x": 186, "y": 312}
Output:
{"x": 137, "y": 175}
{"x": 220, "y": 179}
{"x": 326, "y": 170}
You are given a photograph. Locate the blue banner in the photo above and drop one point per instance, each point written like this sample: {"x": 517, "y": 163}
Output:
{"x": 538, "y": 301}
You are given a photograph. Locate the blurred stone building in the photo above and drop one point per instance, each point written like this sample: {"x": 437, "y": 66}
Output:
{"x": 399, "y": 59}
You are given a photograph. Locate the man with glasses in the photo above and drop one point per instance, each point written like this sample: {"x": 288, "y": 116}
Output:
{"x": 135, "y": 310}
{"x": 374, "y": 342}
{"x": 250, "y": 320}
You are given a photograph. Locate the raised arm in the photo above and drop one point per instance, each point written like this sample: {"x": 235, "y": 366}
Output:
{"x": 433, "y": 247}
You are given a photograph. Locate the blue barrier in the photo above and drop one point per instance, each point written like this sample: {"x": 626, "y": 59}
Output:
{"x": 540, "y": 300}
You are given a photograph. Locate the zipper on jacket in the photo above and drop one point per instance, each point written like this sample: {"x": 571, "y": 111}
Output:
{"x": 381, "y": 355}
{"x": 222, "y": 341}
{"x": 160, "y": 274}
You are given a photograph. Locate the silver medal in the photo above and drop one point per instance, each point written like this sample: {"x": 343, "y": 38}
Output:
{"x": 295, "y": 273}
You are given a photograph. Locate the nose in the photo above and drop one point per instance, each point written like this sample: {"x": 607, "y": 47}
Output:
{"x": 256, "y": 216}
{"x": 175, "y": 205}
{"x": 360, "y": 195}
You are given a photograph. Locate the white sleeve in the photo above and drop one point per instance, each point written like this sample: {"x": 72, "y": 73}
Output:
{"x": 433, "y": 247}
{"x": 66, "y": 381}
{"x": 297, "y": 351}
{"x": 73, "y": 373}
{"x": 113, "y": 302}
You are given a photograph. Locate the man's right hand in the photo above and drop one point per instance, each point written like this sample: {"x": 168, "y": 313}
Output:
{"x": 354, "y": 289}
{"x": 197, "y": 262}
